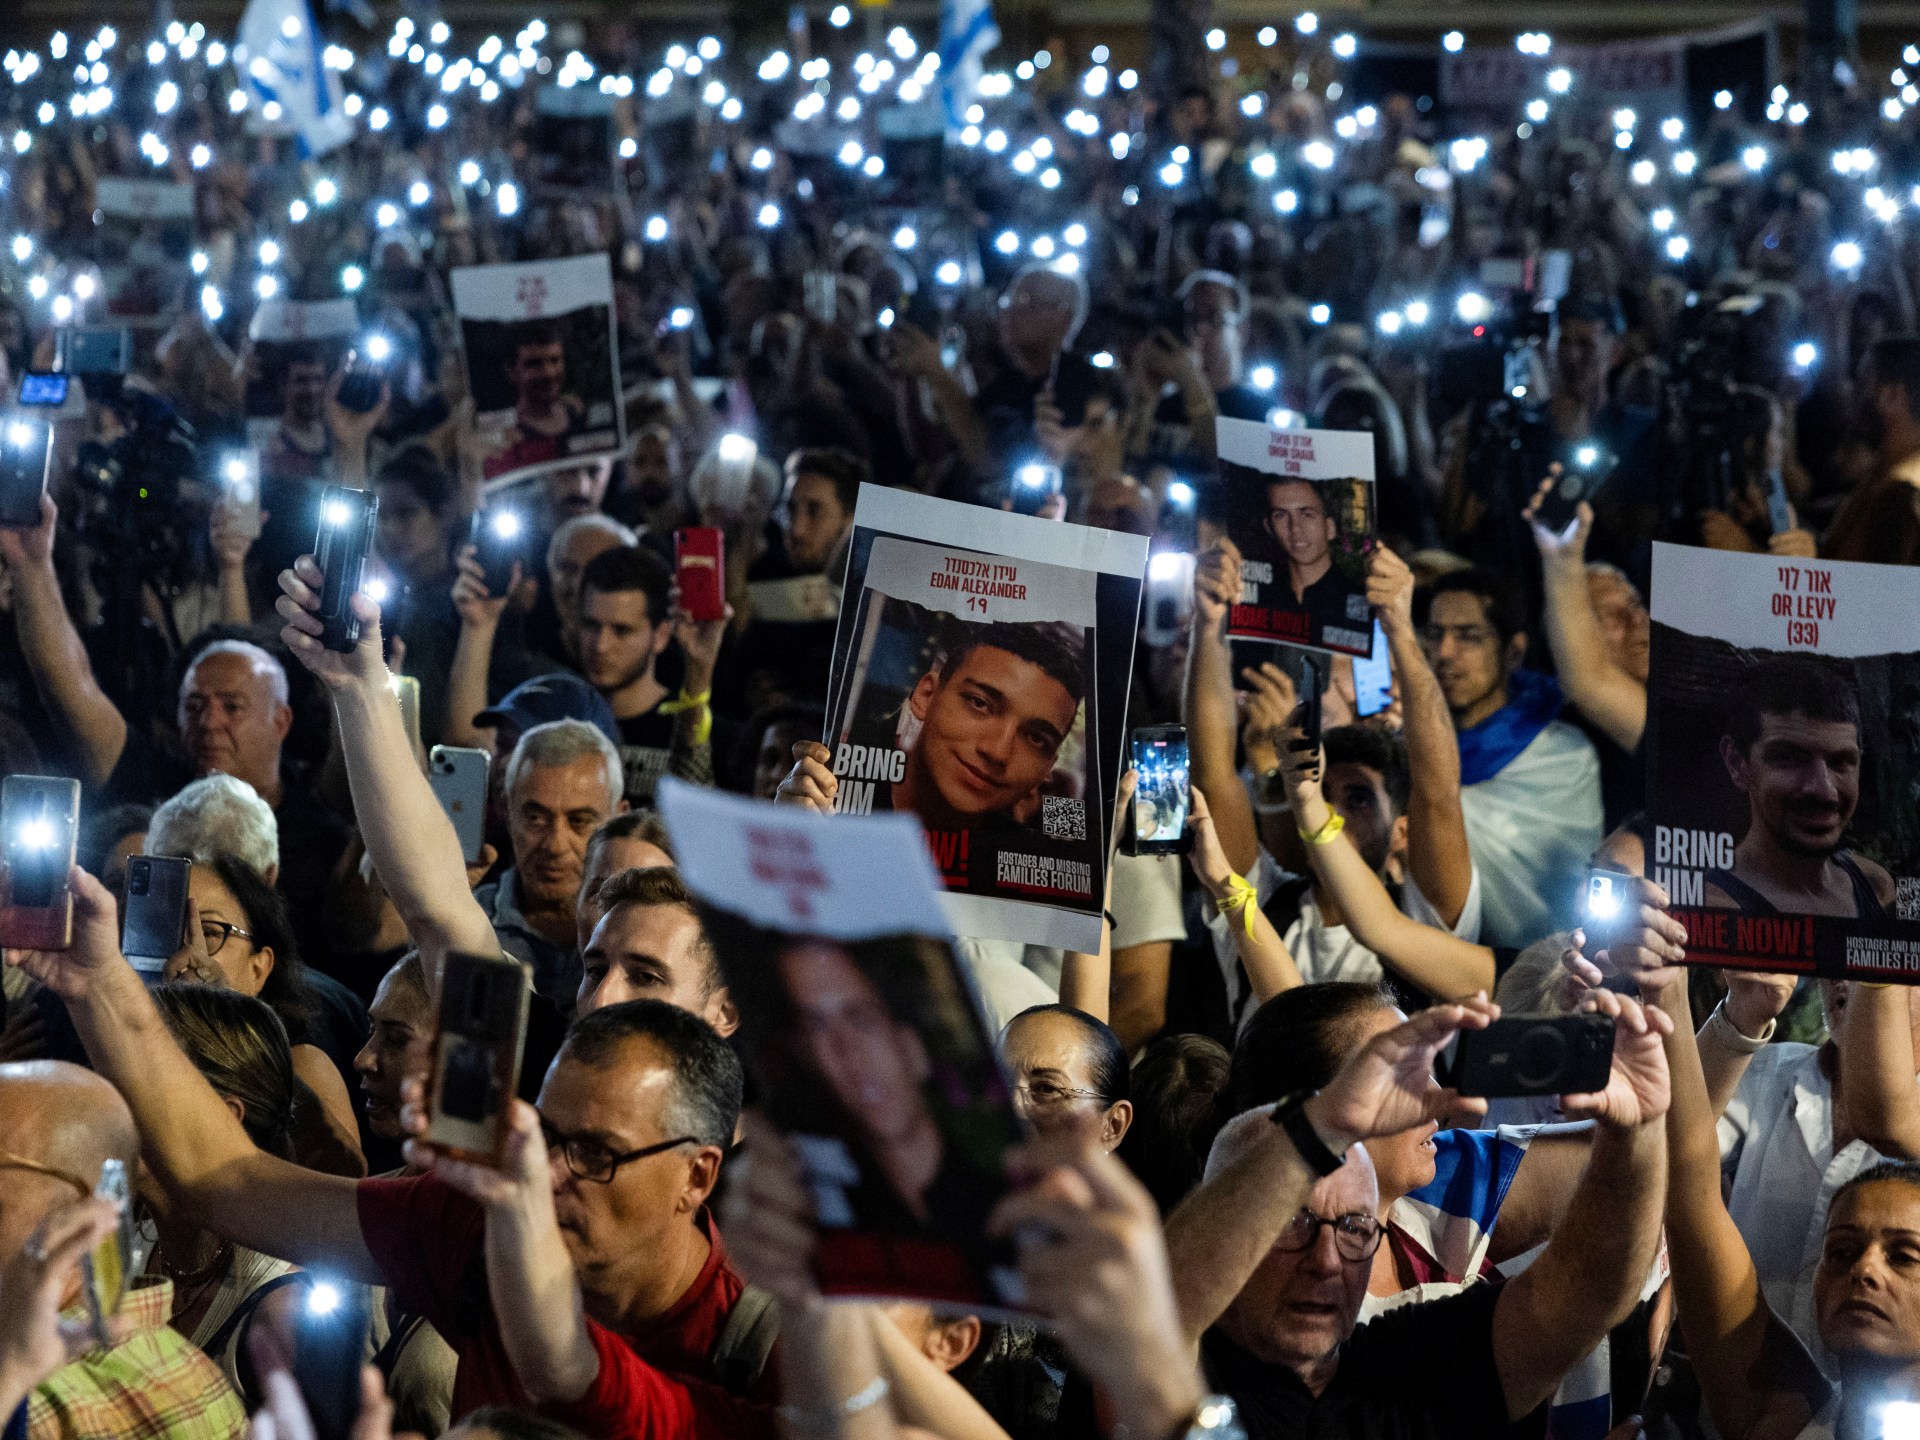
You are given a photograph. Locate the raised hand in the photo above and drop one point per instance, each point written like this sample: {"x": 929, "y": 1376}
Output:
{"x": 73, "y": 973}
{"x": 811, "y": 783}
{"x": 1388, "y": 1085}
{"x": 1648, "y": 944}
{"x": 1270, "y": 701}
{"x": 299, "y": 606}
{"x": 1638, "y": 1087}
{"x": 1390, "y": 589}
{"x": 477, "y": 606}
{"x": 1755, "y": 998}
{"x": 1207, "y": 857}
{"x": 1568, "y": 547}
{"x": 34, "y": 1340}
{"x": 24, "y": 549}
{"x": 1216, "y": 583}
{"x": 523, "y": 1180}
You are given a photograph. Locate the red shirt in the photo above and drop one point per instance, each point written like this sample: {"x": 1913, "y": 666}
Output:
{"x": 427, "y": 1239}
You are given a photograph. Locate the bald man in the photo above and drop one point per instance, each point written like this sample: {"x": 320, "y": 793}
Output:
{"x": 59, "y": 1125}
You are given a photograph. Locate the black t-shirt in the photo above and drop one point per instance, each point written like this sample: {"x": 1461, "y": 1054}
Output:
{"x": 333, "y": 1021}
{"x": 1422, "y": 1372}
{"x": 646, "y": 742}
{"x": 1005, "y": 403}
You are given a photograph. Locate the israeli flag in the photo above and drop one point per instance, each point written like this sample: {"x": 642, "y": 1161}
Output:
{"x": 280, "y": 58}
{"x": 967, "y": 33}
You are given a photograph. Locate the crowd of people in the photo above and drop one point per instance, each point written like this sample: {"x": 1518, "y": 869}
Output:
{"x": 1245, "y": 1205}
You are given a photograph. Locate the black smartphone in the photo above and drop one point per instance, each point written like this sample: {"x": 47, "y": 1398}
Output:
{"x": 1034, "y": 483}
{"x": 329, "y": 1341}
{"x": 1311, "y": 672}
{"x": 340, "y": 549}
{"x": 476, "y": 1055}
{"x": 1161, "y": 795}
{"x": 1585, "y": 468}
{"x": 498, "y": 537}
{"x": 366, "y": 372}
{"x": 44, "y": 389}
{"x": 154, "y": 924}
{"x": 1373, "y": 677}
{"x": 26, "y": 454}
{"x": 94, "y": 350}
{"x": 1532, "y": 1055}
{"x": 39, "y": 826}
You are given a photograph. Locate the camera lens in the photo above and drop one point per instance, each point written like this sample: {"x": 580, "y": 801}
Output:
{"x": 1540, "y": 1057}
{"x": 137, "y": 878}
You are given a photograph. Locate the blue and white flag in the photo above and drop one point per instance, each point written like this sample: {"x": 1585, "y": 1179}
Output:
{"x": 967, "y": 33}
{"x": 281, "y": 60}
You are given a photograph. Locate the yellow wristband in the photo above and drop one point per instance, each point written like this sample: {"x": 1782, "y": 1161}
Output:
{"x": 1325, "y": 834}
{"x": 703, "y": 727}
{"x": 1240, "y": 896}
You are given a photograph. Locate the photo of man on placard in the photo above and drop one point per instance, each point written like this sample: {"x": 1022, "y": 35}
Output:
{"x": 1300, "y": 522}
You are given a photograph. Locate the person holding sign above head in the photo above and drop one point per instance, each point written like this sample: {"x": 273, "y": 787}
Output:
{"x": 1792, "y": 747}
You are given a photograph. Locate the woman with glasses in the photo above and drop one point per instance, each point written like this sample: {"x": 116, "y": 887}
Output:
{"x": 1068, "y": 1070}
{"x": 238, "y": 938}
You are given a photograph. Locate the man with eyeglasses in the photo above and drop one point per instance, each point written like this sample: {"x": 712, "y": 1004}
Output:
{"x": 1272, "y": 1255}
{"x": 601, "y": 1293}
{"x": 1530, "y": 782}
{"x": 1180, "y": 388}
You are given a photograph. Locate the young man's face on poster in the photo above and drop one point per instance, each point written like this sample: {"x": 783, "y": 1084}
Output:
{"x": 992, "y": 724}
{"x": 538, "y": 372}
{"x": 1297, "y": 520}
{"x": 1801, "y": 778}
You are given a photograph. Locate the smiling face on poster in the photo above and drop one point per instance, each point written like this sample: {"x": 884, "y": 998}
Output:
{"x": 1301, "y": 512}
{"x": 1784, "y": 760}
{"x": 542, "y": 363}
{"x": 982, "y": 688}
{"x": 297, "y": 346}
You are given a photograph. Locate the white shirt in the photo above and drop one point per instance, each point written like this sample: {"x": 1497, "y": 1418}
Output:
{"x": 1532, "y": 829}
{"x": 1776, "y": 1148}
{"x": 1323, "y": 952}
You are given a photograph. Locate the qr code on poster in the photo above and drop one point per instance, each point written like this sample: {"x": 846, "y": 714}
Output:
{"x": 1907, "y": 898}
{"x": 1063, "y": 818}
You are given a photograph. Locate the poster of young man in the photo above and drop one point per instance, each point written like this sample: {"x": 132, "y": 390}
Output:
{"x": 979, "y": 681}
{"x": 542, "y": 363}
{"x": 869, "y": 1047}
{"x": 143, "y": 243}
{"x": 1300, "y": 508}
{"x": 296, "y": 346}
{"x": 1783, "y": 761}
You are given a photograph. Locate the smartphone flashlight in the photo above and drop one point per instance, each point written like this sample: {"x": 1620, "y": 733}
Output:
{"x": 20, "y": 434}
{"x": 738, "y": 449}
{"x": 680, "y": 317}
{"x": 35, "y": 834}
{"x": 1603, "y": 897}
{"x": 238, "y": 475}
{"x": 336, "y": 513}
{"x": 1032, "y": 477}
{"x": 506, "y": 524}
{"x": 378, "y": 348}
{"x": 1180, "y": 494}
{"x": 379, "y": 592}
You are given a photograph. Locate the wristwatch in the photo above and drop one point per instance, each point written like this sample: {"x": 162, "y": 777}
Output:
{"x": 1291, "y": 1116}
{"x": 1216, "y": 1418}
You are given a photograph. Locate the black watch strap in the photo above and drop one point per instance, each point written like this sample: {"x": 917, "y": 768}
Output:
{"x": 1291, "y": 1116}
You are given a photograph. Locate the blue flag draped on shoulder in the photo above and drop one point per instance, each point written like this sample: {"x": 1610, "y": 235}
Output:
{"x": 280, "y": 57}
{"x": 967, "y": 33}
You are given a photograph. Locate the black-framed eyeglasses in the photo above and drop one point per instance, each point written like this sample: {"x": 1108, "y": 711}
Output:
{"x": 217, "y": 932}
{"x": 1356, "y": 1235}
{"x": 588, "y": 1159}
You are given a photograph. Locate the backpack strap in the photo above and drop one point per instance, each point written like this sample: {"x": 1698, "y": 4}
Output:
{"x": 745, "y": 1342}
{"x": 235, "y": 1325}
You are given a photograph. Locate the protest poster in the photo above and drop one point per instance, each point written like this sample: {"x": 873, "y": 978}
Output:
{"x": 1300, "y": 508}
{"x": 542, "y": 364}
{"x": 869, "y": 1046}
{"x": 979, "y": 679}
{"x": 143, "y": 244}
{"x": 296, "y": 346}
{"x": 1783, "y": 761}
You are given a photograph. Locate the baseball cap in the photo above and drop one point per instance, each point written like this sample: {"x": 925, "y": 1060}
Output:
{"x": 547, "y": 698}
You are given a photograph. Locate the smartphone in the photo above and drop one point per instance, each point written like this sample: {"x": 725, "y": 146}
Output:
{"x": 1779, "y": 508}
{"x": 700, "y": 573}
{"x": 39, "y": 823}
{"x": 154, "y": 924}
{"x": 498, "y": 537}
{"x": 1310, "y": 671}
{"x": 476, "y": 1055}
{"x": 46, "y": 388}
{"x": 366, "y": 372}
{"x": 1169, "y": 598}
{"x": 1532, "y": 1055}
{"x": 329, "y": 1340}
{"x": 1034, "y": 483}
{"x": 822, "y": 295}
{"x": 94, "y": 350}
{"x": 1161, "y": 797}
{"x": 240, "y": 490}
{"x": 1585, "y": 469}
{"x": 26, "y": 455}
{"x": 340, "y": 549}
{"x": 459, "y": 780}
{"x": 1373, "y": 677}
{"x": 105, "y": 1268}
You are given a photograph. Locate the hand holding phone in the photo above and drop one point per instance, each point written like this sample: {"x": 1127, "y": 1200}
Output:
{"x": 153, "y": 926}
{"x": 1532, "y": 1055}
{"x": 26, "y": 457}
{"x": 105, "y": 1269}
{"x": 458, "y": 777}
{"x": 1162, "y": 794}
{"x": 498, "y": 537}
{"x": 340, "y": 550}
{"x": 1034, "y": 483}
{"x": 329, "y": 1339}
{"x": 39, "y": 825}
{"x": 240, "y": 491}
